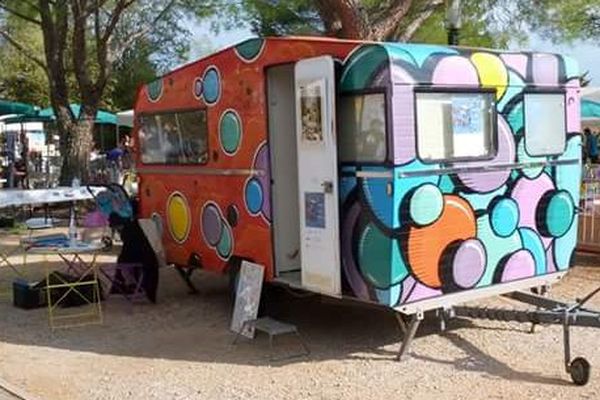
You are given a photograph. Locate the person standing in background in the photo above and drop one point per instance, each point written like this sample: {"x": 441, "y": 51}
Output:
{"x": 592, "y": 147}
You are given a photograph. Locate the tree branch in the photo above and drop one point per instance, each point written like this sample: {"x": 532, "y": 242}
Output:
{"x": 27, "y": 53}
{"x": 412, "y": 28}
{"x": 387, "y": 24}
{"x": 19, "y": 14}
{"x": 143, "y": 31}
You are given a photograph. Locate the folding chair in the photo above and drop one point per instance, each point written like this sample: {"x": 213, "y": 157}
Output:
{"x": 124, "y": 279}
{"x": 5, "y": 262}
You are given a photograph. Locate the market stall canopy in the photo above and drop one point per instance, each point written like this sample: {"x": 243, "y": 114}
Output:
{"x": 12, "y": 107}
{"x": 125, "y": 118}
{"x": 19, "y": 197}
{"x": 47, "y": 115}
{"x": 590, "y": 110}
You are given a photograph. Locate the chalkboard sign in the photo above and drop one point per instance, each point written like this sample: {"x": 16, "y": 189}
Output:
{"x": 247, "y": 297}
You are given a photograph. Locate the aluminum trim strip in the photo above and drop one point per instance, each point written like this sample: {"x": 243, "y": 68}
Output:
{"x": 202, "y": 171}
{"x": 452, "y": 299}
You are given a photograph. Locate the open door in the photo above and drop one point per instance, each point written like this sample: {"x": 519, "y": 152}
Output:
{"x": 317, "y": 175}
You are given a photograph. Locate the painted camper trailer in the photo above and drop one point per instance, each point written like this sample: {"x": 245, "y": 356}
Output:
{"x": 412, "y": 176}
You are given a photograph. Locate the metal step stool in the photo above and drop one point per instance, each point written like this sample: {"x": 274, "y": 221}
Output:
{"x": 273, "y": 328}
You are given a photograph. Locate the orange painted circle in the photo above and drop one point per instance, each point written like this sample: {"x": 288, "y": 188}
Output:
{"x": 426, "y": 245}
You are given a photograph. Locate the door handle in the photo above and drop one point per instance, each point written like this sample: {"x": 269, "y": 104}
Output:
{"x": 327, "y": 186}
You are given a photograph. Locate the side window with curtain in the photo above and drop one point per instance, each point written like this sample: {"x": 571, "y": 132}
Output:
{"x": 454, "y": 126}
{"x": 545, "y": 123}
{"x": 174, "y": 138}
{"x": 362, "y": 128}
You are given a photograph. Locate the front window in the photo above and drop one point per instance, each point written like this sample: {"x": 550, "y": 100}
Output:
{"x": 455, "y": 126}
{"x": 174, "y": 137}
{"x": 363, "y": 128}
{"x": 545, "y": 124}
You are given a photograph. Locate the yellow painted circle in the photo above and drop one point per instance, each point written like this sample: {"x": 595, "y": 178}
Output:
{"x": 492, "y": 72}
{"x": 178, "y": 213}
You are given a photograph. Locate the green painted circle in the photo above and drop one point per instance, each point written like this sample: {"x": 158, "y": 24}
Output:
{"x": 225, "y": 244}
{"x": 230, "y": 132}
{"x": 559, "y": 213}
{"x": 379, "y": 258}
{"x": 154, "y": 90}
{"x": 426, "y": 204}
{"x": 250, "y": 49}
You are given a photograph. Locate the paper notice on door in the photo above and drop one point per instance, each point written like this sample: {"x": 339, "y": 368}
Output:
{"x": 314, "y": 209}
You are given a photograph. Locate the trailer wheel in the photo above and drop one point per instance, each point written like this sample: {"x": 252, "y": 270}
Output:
{"x": 580, "y": 371}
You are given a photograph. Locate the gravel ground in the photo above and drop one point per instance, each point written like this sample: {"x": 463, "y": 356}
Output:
{"x": 181, "y": 349}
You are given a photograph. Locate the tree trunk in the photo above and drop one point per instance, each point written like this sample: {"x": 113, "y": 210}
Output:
{"x": 76, "y": 147}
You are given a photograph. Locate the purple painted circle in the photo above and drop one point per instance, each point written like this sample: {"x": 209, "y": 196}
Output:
{"x": 452, "y": 69}
{"x": 528, "y": 193}
{"x": 469, "y": 263}
{"x": 198, "y": 87}
{"x": 520, "y": 265}
{"x": 261, "y": 163}
{"x": 484, "y": 182}
{"x": 212, "y": 225}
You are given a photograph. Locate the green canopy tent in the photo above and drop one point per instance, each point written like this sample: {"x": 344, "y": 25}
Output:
{"x": 13, "y": 107}
{"x": 590, "y": 113}
{"x": 104, "y": 131}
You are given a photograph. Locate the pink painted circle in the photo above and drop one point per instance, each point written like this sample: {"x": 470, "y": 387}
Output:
{"x": 454, "y": 69}
{"x": 528, "y": 193}
{"x": 519, "y": 265}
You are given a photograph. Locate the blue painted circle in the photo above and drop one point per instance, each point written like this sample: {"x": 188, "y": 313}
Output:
{"x": 505, "y": 217}
{"x": 532, "y": 242}
{"x": 254, "y": 196}
{"x": 426, "y": 204}
{"x": 559, "y": 213}
{"x": 211, "y": 85}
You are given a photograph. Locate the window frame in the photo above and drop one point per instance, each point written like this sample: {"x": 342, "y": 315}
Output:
{"x": 387, "y": 112}
{"x": 550, "y": 91}
{"x": 173, "y": 111}
{"x": 457, "y": 90}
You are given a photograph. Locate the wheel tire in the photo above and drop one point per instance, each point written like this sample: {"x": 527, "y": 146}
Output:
{"x": 580, "y": 370}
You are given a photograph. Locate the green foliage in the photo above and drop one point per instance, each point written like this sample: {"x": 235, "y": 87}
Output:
{"x": 486, "y": 23}
{"x": 164, "y": 47}
{"x": 20, "y": 79}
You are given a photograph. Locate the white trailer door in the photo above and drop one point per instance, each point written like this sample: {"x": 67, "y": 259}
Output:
{"x": 317, "y": 175}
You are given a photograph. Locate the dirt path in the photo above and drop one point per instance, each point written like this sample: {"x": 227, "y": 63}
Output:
{"x": 181, "y": 349}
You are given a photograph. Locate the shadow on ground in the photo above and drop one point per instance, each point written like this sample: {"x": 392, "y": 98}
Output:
{"x": 195, "y": 328}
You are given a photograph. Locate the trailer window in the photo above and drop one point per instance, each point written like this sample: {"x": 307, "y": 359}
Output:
{"x": 362, "y": 128}
{"x": 174, "y": 138}
{"x": 455, "y": 126}
{"x": 545, "y": 123}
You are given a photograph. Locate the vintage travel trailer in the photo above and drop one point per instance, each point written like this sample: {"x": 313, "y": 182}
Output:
{"x": 411, "y": 176}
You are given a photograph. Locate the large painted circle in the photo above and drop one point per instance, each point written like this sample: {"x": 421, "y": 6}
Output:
{"x": 504, "y": 217}
{"x": 154, "y": 90}
{"x": 178, "y": 214}
{"x": 254, "y": 196}
{"x": 211, "y": 85}
{"x": 468, "y": 264}
{"x": 211, "y": 224}
{"x": 230, "y": 132}
{"x": 426, "y": 245}
{"x": 559, "y": 213}
{"x": 426, "y": 204}
{"x": 225, "y": 245}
